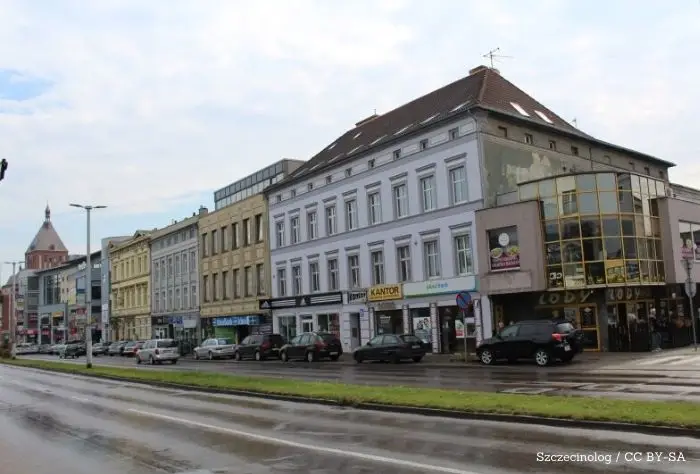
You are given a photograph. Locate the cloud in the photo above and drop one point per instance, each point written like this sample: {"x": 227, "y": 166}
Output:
{"x": 152, "y": 105}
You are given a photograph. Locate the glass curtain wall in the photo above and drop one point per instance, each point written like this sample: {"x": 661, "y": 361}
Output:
{"x": 600, "y": 229}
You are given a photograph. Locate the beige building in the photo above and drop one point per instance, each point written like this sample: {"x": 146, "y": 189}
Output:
{"x": 235, "y": 262}
{"x": 130, "y": 264}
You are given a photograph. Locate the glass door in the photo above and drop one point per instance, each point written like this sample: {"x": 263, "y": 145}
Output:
{"x": 307, "y": 323}
{"x": 587, "y": 321}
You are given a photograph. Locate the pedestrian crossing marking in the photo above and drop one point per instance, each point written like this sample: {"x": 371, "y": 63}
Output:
{"x": 658, "y": 360}
{"x": 689, "y": 360}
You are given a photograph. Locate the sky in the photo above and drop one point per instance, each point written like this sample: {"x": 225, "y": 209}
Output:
{"x": 149, "y": 107}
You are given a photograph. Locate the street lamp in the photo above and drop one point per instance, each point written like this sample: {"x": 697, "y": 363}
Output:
{"x": 88, "y": 287}
{"x": 13, "y": 293}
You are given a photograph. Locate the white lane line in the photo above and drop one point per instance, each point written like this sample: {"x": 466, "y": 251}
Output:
{"x": 80, "y": 399}
{"x": 690, "y": 360}
{"x": 308, "y": 447}
{"x": 658, "y": 360}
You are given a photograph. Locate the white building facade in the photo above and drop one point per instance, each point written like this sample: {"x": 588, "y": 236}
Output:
{"x": 382, "y": 243}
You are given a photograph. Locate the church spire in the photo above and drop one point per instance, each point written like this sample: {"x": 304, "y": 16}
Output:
{"x": 47, "y": 213}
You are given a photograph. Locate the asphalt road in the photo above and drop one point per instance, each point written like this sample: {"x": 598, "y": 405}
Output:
{"x": 53, "y": 423}
{"x": 521, "y": 378}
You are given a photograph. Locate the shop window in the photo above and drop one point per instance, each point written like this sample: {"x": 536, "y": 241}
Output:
{"x": 593, "y": 249}
{"x": 329, "y": 323}
{"x": 551, "y": 231}
{"x": 571, "y": 251}
{"x": 606, "y": 181}
{"x": 555, "y": 275}
{"x": 389, "y": 322}
{"x": 585, "y": 182}
{"x": 630, "y": 247}
{"x": 632, "y": 270}
{"x": 570, "y": 229}
{"x": 613, "y": 248}
{"x": 553, "y": 254}
{"x": 590, "y": 227}
{"x": 645, "y": 271}
{"x": 549, "y": 208}
{"x": 574, "y": 276}
{"x": 625, "y": 201}
{"x": 607, "y": 202}
{"x": 288, "y": 327}
{"x": 588, "y": 203}
{"x": 595, "y": 273}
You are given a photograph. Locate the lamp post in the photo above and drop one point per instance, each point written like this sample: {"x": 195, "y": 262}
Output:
{"x": 690, "y": 291}
{"x": 13, "y": 309}
{"x": 88, "y": 287}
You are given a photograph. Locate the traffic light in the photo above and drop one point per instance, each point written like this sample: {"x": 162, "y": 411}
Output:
{"x": 3, "y": 168}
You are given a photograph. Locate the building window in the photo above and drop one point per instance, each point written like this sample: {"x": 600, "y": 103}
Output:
{"x": 647, "y": 171}
{"x": 178, "y": 301}
{"x": 170, "y": 300}
{"x": 296, "y": 280}
{"x": 186, "y": 298}
{"x": 424, "y": 144}
{"x": 503, "y": 131}
{"x": 226, "y": 285}
{"x": 397, "y": 154}
{"x": 236, "y": 283}
{"x": 194, "y": 301}
{"x": 329, "y": 179}
{"x": 333, "y": 276}
{"x": 463, "y": 255}
{"x": 552, "y": 145}
{"x": 278, "y": 198}
{"x": 428, "y": 197}
{"x": 294, "y": 229}
{"x": 348, "y": 172}
{"x": 310, "y": 186}
{"x": 205, "y": 246}
{"x": 453, "y": 134}
{"x": 529, "y": 139}
{"x": 248, "y": 281}
{"x": 331, "y": 221}
{"x": 279, "y": 230}
{"x": 574, "y": 150}
{"x": 236, "y": 236}
{"x": 247, "y": 237}
{"x": 374, "y": 205}
{"x": 403, "y": 259}
{"x": 282, "y": 282}
{"x": 431, "y": 257}
{"x": 214, "y": 243}
{"x": 377, "y": 260}
{"x": 224, "y": 239}
{"x": 370, "y": 164}
{"x": 350, "y": 215}
{"x": 400, "y": 192}
{"x": 185, "y": 269}
{"x": 170, "y": 268}
{"x": 193, "y": 261}
{"x": 458, "y": 185}
{"x": 156, "y": 300}
{"x": 259, "y": 229}
{"x": 293, "y": 193}
{"x": 314, "y": 277}
{"x": 215, "y": 286}
{"x": 177, "y": 264}
{"x": 354, "y": 271}
{"x": 312, "y": 224}
{"x": 260, "y": 271}
{"x": 155, "y": 271}
{"x": 205, "y": 288}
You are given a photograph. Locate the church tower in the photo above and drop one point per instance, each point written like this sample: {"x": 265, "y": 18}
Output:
{"x": 47, "y": 249}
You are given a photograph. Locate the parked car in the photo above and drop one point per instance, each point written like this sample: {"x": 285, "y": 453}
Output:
{"x": 45, "y": 349}
{"x": 100, "y": 348}
{"x": 157, "y": 351}
{"x": 541, "y": 340}
{"x": 215, "y": 348}
{"x": 27, "y": 348}
{"x": 391, "y": 348}
{"x": 259, "y": 347}
{"x": 56, "y": 349}
{"x": 131, "y": 348}
{"x": 72, "y": 349}
{"x": 312, "y": 346}
{"x": 117, "y": 348}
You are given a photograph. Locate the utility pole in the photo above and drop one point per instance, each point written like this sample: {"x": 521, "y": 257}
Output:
{"x": 13, "y": 307}
{"x": 690, "y": 291}
{"x": 88, "y": 287}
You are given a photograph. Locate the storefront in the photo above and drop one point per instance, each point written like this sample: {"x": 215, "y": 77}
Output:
{"x": 355, "y": 321}
{"x": 306, "y": 313}
{"x": 236, "y": 327}
{"x": 435, "y": 318}
{"x": 386, "y": 309}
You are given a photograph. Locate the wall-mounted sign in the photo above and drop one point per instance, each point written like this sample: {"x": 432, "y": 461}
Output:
{"x": 385, "y": 293}
{"x": 628, "y": 294}
{"x": 317, "y": 299}
{"x": 554, "y": 298}
{"x": 504, "y": 250}
{"x": 357, "y": 297}
{"x": 227, "y": 321}
{"x": 439, "y": 287}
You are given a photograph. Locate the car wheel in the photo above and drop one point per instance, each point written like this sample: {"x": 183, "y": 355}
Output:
{"x": 310, "y": 356}
{"x": 210, "y": 355}
{"x": 284, "y": 357}
{"x": 258, "y": 356}
{"x": 417, "y": 359}
{"x": 138, "y": 359}
{"x": 358, "y": 358}
{"x": 486, "y": 357}
{"x": 174, "y": 361}
{"x": 196, "y": 355}
{"x": 152, "y": 360}
{"x": 237, "y": 356}
{"x": 542, "y": 357}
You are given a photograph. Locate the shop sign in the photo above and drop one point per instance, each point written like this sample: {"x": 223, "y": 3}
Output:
{"x": 227, "y": 321}
{"x": 504, "y": 249}
{"x": 317, "y": 299}
{"x": 57, "y": 314}
{"x": 385, "y": 293}
{"x": 628, "y": 294}
{"x": 566, "y": 297}
{"x": 357, "y": 297}
{"x": 439, "y": 287}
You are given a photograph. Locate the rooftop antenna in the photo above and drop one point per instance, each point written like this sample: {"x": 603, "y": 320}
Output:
{"x": 492, "y": 56}
{"x": 575, "y": 122}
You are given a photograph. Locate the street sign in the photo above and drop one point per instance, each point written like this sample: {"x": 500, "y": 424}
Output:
{"x": 691, "y": 288}
{"x": 463, "y": 299}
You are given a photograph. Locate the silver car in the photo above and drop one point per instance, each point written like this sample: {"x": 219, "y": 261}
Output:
{"x": 215, "y": 348}
{"x": 157, "y": 351}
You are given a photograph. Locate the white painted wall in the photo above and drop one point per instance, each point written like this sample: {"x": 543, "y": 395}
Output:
{"x": 442, "y": 152}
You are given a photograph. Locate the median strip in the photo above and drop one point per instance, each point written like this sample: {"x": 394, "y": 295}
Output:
{"x": 675, "y": 414}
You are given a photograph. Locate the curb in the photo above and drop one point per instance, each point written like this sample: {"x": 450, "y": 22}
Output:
{"x": 654, "y": 430}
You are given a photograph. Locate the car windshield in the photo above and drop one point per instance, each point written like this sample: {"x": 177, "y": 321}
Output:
{"x": 224, "y": 342}
{"x": 167, "y": 343}
{"x": 409, "y": 339}
{"x": 565, "y": 328}
{"x": 326, "y": 336}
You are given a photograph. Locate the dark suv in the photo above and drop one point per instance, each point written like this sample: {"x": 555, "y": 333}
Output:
{"x": 312, "y": 346}
{"x": 541, "y": 340}
{"x": 259, "y": 347}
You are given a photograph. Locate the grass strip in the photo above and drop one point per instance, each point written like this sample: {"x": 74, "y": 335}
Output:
{"x": 658, "y": 413}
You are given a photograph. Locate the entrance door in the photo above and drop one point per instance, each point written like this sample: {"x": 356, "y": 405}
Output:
{"x": 355, "y": 330}
{"x": 587, "y": 321}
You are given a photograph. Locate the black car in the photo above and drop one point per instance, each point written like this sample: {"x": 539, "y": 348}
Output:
{"x": 72, "y": 349}
{"x": 541, "y": 340}
{"x": 391, "y": 348}
{"x": 312, "y": 346}
{"x": 259, "y": 347}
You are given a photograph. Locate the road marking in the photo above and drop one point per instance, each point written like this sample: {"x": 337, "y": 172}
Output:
{"x": 657, "y": 360}
{"x": 80, "y": 399}
{"x": 529, "y": 390}
{"x": 688, "y": 360}
{"x": 308, "y": 447}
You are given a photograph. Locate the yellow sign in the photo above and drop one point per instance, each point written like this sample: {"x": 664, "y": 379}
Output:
{"x": 385, "y": 293}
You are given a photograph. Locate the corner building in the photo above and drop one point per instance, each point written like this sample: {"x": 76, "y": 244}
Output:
{"x": 130, "y": 263}
{"x": 235, "y": 257}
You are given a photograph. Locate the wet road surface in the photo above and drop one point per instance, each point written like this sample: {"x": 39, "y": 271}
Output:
{"x": 53, "y": 423}
{"x": 519, "y": 378}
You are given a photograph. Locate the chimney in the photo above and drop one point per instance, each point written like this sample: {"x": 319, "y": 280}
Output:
{"x": 203, "y": 210}
{"x": 483, "y": 68}
{"x": 367, "y": 120}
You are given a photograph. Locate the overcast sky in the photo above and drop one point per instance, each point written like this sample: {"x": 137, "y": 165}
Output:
{"x": 149, "y": 106}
